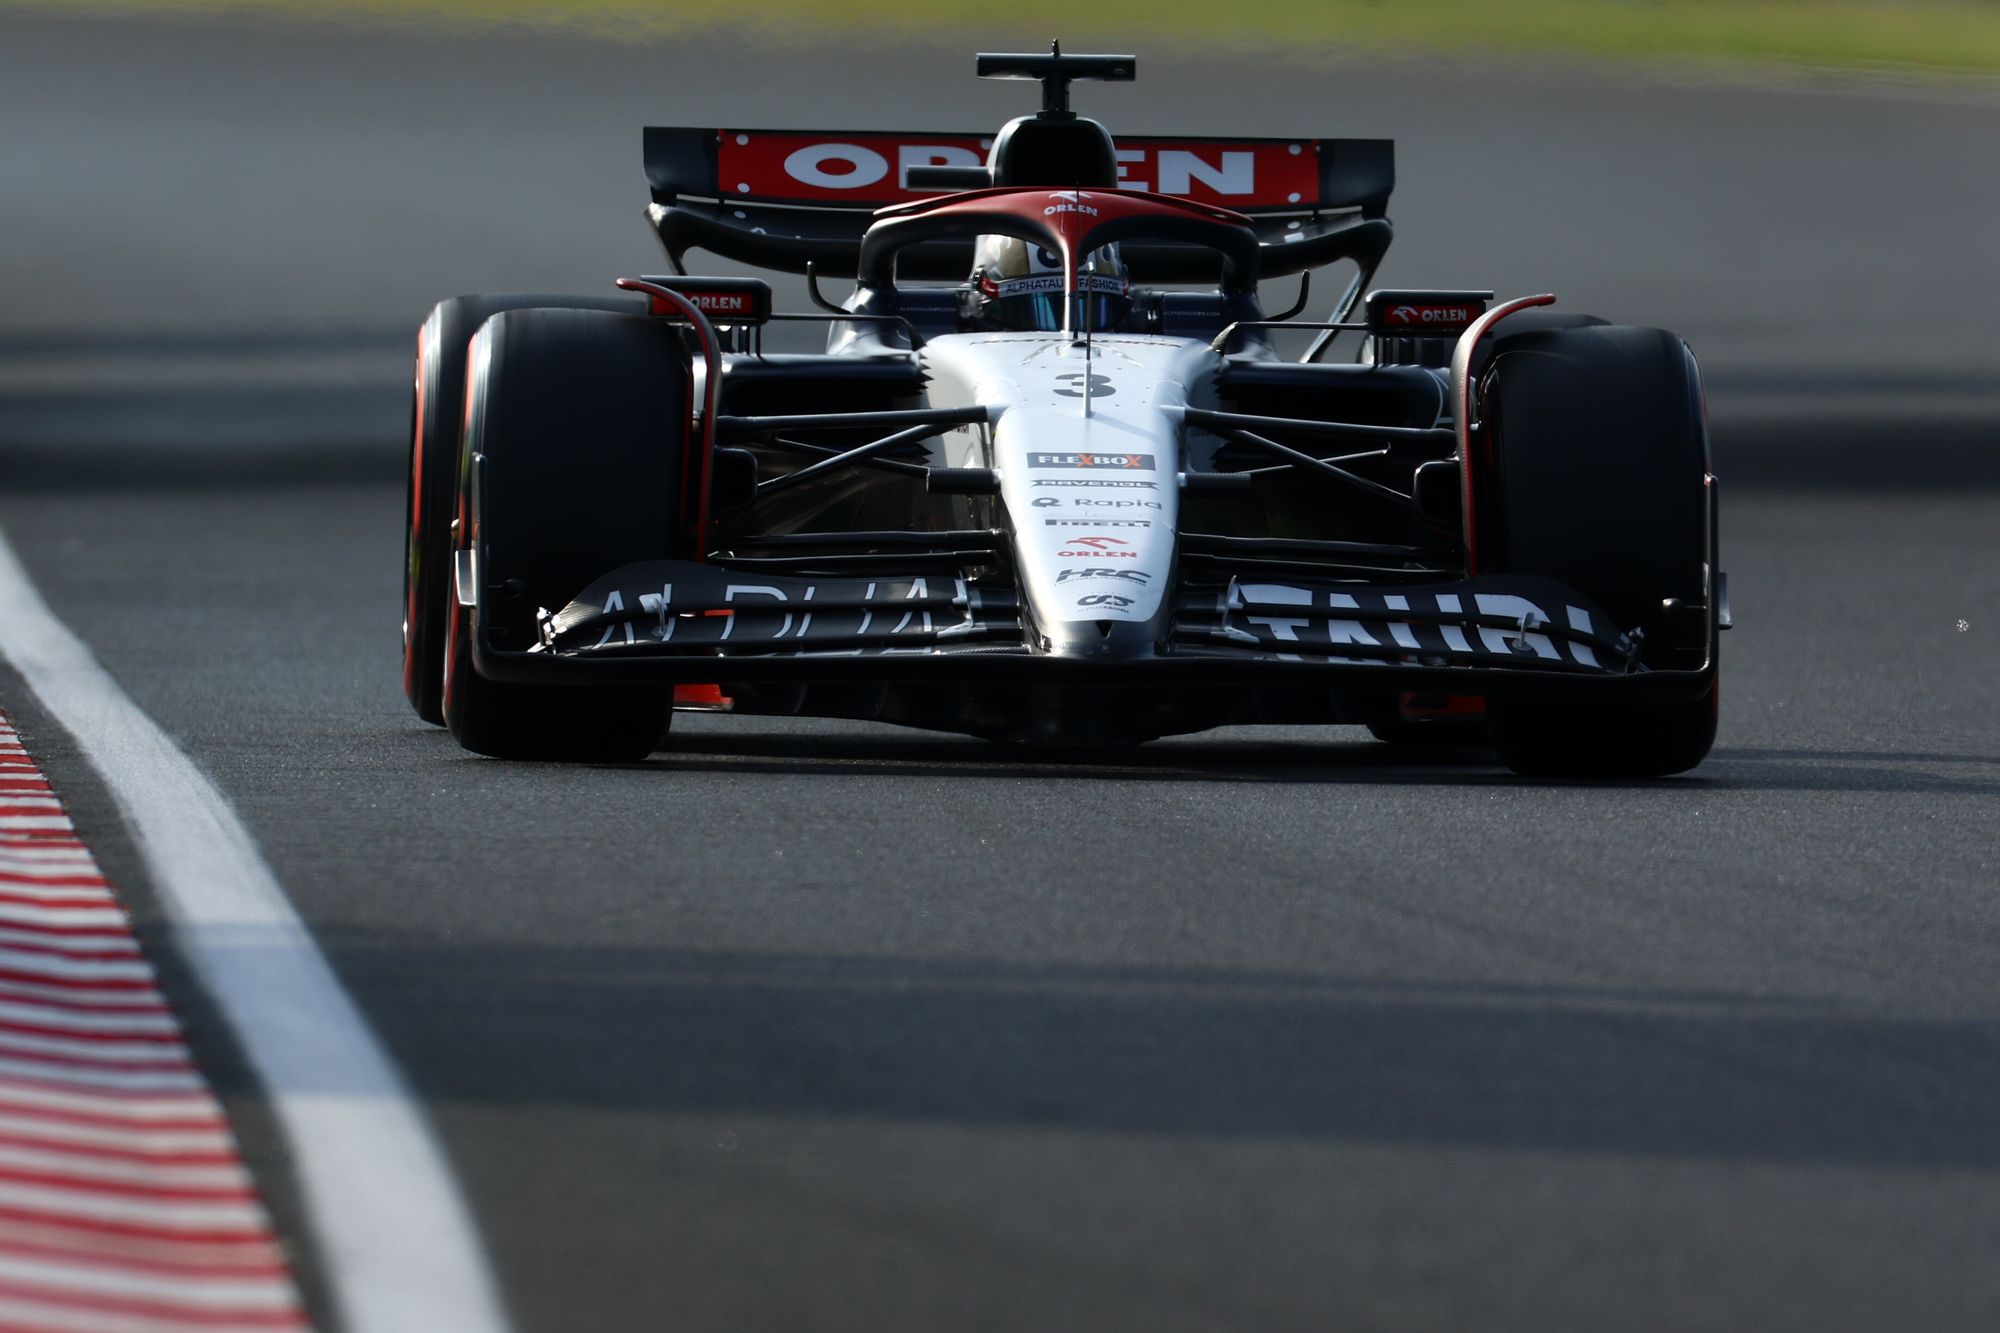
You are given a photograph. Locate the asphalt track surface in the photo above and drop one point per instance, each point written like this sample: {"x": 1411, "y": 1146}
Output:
{"x": 825, "y": 1025}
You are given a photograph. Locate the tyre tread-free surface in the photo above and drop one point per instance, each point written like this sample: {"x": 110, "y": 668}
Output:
{"x": 1597, "y": 477}
{"x": 571, "y": 469}
{"x": 437, "y": 416}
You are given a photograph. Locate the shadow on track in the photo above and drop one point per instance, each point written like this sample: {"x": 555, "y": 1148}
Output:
{"x": 948, "y": 758}
{"x": 1348, "y": 760}
{"x": 1351, "y": 758}
{"x": 1344, "y": 758}
{"x": 1866, "y": 756}
{"x": 1207, "y": 1052}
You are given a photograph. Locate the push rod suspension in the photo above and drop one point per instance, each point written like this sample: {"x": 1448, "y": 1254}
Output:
{"x": 923, "y": 416}
{"x": 1442, "y": 439}
{"x": 841, "y": 460}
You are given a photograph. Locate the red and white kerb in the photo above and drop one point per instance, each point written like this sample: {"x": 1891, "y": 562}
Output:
{"x": 123, "y": 1203}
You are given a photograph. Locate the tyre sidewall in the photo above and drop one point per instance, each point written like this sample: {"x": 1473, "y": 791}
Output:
{"x": 1597, "y": 476}
{"x": 570, "y": 469}
{"x": 437, "y": 418}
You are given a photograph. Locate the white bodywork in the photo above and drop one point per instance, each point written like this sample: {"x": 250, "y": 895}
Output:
{"x": 1087, "y": 439}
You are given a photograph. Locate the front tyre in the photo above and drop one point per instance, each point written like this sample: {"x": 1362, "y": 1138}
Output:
{"x": 1597, "y": 477}
{"x": 437, "y": 413}
{"x": 575, "y": 425}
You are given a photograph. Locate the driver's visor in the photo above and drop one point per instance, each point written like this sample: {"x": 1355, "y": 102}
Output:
{"x": 1102, "y": 284}
{"x": 1036, "y": 302}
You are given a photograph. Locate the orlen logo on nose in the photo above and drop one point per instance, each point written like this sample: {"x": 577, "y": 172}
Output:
{"x": 1097, "y": 548}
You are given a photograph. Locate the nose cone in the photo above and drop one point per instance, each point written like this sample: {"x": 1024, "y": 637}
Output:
{"x": 1094, "y": 503}
{"x": 1087, "y": 441}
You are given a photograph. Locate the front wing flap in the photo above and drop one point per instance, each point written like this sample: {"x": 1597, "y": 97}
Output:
{"x": 1494, "y": 621}
{"x": 679, "y": 608}
{"x": 676, "y": 608}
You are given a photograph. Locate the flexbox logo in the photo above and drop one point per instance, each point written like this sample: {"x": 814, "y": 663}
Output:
{"x": 1127, "y": 462}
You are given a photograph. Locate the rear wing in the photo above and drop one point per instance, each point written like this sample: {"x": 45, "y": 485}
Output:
{"x": 783, "y": 199}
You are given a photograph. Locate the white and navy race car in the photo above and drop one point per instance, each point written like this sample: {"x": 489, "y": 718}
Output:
{"x": 1050, "y": 480}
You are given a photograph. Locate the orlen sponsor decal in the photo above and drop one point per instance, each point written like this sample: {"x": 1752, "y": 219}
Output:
{"x": 1429, "y": 316}
{"x": 1108, "y": 482}
{"x": 722, "y": 303}
{"x": 726, "y": 304}
{"x": 860, "y": 169}
{"x": 1069, "y": 201}
{"x": 1128, "y": 462}
{"x": 1097, "y": 548}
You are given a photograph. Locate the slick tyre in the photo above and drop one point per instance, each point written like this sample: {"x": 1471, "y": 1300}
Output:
{"x": 437, "y": 414}
{"x": 1597, "y": 477}
{"x": 1539, "y": 319}
{"x": 572, "y": 459}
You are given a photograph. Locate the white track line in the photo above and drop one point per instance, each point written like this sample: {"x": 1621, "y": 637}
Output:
{"x": 393, "y": 1234}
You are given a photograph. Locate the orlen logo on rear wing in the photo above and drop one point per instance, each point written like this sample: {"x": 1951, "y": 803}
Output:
{"x": 867, "y": 169}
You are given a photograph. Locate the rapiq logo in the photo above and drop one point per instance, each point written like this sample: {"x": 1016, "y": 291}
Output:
{"x": 1128, "y": 462}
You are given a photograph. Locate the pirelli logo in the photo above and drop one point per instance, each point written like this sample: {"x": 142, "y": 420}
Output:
{"x": 1098, "y": 522}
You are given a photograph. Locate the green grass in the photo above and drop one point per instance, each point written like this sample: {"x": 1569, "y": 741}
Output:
{"x": 1940, "y": 36}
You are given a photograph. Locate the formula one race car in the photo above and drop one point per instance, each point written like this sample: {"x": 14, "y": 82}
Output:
{"x": 1050, "y": 481}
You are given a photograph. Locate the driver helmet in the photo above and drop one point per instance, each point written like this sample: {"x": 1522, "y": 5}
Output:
{"x": 1019, "y": 285}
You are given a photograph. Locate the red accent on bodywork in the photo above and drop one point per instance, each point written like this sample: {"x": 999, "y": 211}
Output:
{"x": 697, "y": 464}
{"x": 1070, "y": 218}
{"x": 417, "y": 438}
{"x": 1112, "y": 205}
{"x": 1461, "y": 408}
{"x": 701, "y": 696}
{"x": 411, "y": 607}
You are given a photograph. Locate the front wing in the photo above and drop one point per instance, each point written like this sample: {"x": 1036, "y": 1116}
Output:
{"x": 674, "y": 621}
